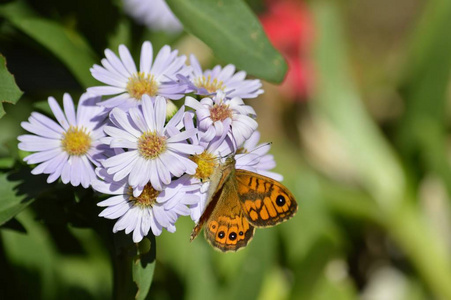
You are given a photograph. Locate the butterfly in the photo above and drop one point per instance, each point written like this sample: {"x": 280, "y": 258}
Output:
{"x": 239, "y": 202}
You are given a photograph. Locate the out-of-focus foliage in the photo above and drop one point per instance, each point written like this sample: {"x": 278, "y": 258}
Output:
{"x": 365, "y": 152}
{"x": 9, "y": 92}
{"x": 233, "y": 33}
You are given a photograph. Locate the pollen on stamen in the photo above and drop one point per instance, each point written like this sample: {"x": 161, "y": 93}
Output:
{"x": 140, "y": 84}
{"x": 76, "y": 141}
{"x": 151, "y": 145}
{"x": 220, "y": 112}
{"x": 210, "y": 85}
{"x": 206, "y": 163}
{"x": 147, "y": 198}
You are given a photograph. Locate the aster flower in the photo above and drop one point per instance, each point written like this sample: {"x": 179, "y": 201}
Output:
{"x": 259, "y": 161}
{"x": 151, "y": 209}
{"x": 126, "y": 86}
{"x": 215, "y": 149}
{"x": 230, "y": 115}
{"x": 210, "y": 82}
{"x": 154, "y": 14}
{"x": 70, "y": 148}
{"x": 156, "y": 151}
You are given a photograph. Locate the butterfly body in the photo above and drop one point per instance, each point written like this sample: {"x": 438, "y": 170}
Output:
{"x": 239, "y": 201}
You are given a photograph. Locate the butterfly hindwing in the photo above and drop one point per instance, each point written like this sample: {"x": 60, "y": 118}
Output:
{"x": 265, "y": 202}
{"x": 227, "y": 228}
{"x": 229, "y": 234}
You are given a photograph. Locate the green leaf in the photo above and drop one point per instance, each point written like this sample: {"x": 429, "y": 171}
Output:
{"x": 144, "y": 266}
{"x": 17, "y": 190}
{"x": 86, "y": 270}
{"x": 34, "y": 257}
{"x": 14, "y": 224}
{"x": 10, "y": 203}
{"x": 234, "y": 34}
{"x": 9, "y": 91}
{"x": 135, "y": 261}
{"x": 65, "y": 43}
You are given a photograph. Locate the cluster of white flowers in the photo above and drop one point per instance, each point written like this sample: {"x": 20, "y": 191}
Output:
{"x": 127, "y": 138}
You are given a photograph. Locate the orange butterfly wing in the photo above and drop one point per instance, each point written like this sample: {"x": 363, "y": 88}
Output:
{"x": 265, "y": 201}
{"x": 240, "y": 200}
{"x": 226, "y": 226}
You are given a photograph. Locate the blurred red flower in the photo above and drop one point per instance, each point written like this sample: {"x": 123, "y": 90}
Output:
{"x": 289, "y": 27}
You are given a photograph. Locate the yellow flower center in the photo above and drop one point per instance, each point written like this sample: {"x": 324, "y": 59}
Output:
{"x": 140, "y": 84}
{"x": 206, "y": 163}
{"x": 151, "y": 145}
{"x": 76, "y": 141}
{"x": 210, "y": 85}
{"x": 147, "y": 198}
{"x": 220, "y": 112}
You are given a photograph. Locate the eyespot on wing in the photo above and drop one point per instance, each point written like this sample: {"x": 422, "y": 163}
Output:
{"x": 229, "y": 234}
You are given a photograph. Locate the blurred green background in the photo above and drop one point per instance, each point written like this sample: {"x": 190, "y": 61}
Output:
{"x": 361, "y": 137}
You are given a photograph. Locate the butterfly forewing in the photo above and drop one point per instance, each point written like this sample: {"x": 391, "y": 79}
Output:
{"x": 218, "y": 178}
{"x": 227, "y": 228}
{"x": 265, "y": 201}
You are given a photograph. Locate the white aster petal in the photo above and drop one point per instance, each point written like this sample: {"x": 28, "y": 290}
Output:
{"x": 146, "y": 57}
{"x": 127, "y": 59}
{"x": 59, "y": 115}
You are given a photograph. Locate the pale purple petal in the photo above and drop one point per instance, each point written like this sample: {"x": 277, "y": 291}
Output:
{"x": 146, "y": 57}
{"x": 160, "y": 114}
{"x": 59, "y": 115}
{"x": 69, "y": 109}
{"x": 105, "y": 90}
{"x": 127, "y": 59}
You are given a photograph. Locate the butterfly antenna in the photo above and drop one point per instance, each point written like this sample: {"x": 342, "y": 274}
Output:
{"x": 260, "y": 146}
